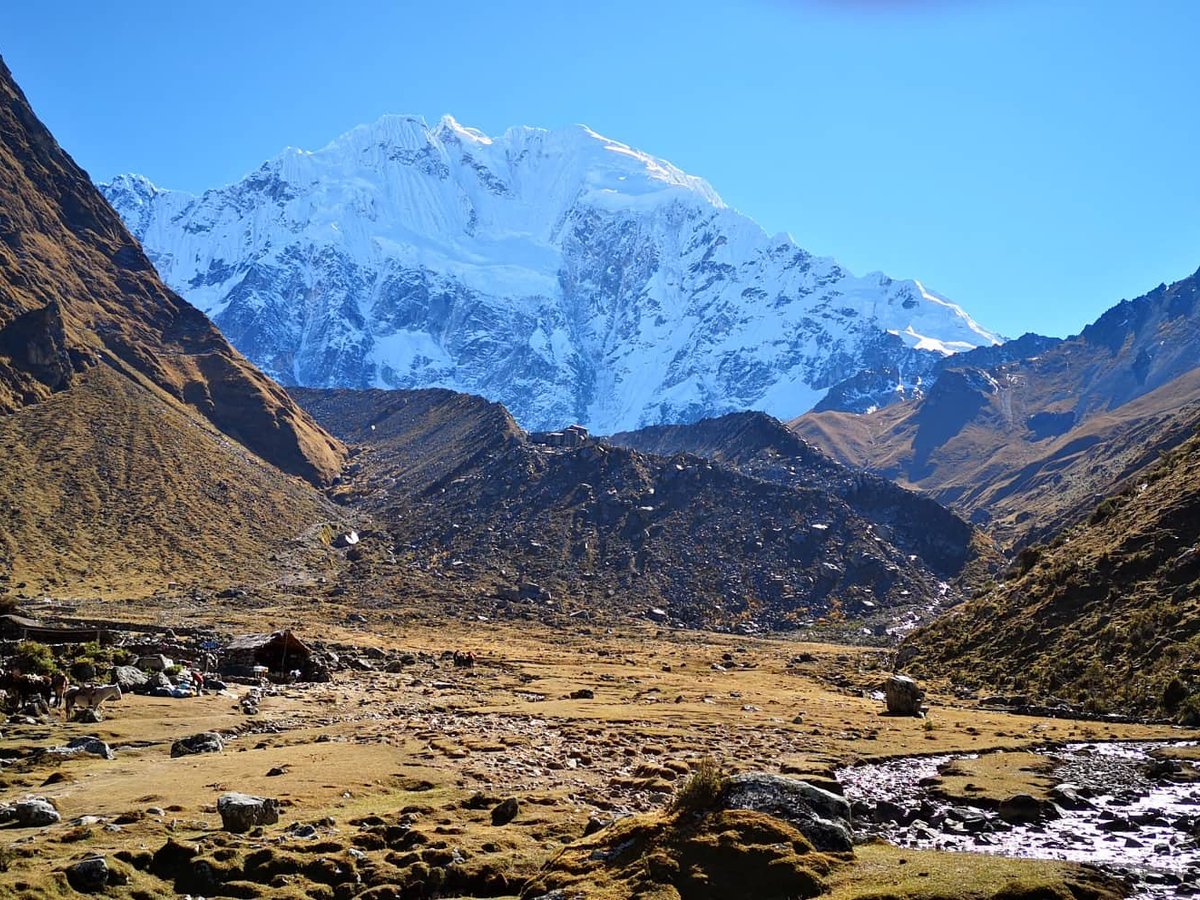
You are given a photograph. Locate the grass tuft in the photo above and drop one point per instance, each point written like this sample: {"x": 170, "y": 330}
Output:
{"x": 702, "y": 790}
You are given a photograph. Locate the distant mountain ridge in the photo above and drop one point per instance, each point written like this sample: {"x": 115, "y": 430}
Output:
{"x": 564, "y": 274}
{"x": 1029, "y": 444}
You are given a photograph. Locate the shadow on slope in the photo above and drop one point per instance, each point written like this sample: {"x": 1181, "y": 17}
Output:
{"x": 76, "y": 288}
{"x": 1107, "y": 614}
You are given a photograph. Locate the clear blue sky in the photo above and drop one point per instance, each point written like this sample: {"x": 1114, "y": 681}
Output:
{"x": 1035, "y": 160}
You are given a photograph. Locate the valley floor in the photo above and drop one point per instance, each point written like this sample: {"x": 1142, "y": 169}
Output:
{"x": 396, "y": 770}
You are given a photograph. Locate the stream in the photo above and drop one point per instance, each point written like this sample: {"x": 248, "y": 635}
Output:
{"x": 1116, "y": 813}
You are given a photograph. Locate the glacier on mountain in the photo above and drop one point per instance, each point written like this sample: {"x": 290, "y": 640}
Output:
{"x": 566, "y": 275}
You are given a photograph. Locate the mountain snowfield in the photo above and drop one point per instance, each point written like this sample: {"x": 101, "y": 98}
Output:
{"x": 566, "y": 275}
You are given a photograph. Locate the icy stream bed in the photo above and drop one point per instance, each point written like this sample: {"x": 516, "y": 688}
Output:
{"x": 1130, "y": 820}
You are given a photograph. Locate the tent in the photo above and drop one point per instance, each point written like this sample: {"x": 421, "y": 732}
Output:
{"x": 279, "y": 651}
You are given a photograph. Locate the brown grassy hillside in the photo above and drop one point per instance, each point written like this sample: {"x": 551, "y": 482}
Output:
{"x": 110, "y": 490}
{"x": 137, "y": 448}
{"x": 1107, "y": 615}
{"x": 75, "y": 288}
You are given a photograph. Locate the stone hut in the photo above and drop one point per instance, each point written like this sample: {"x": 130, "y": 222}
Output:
{"x": 569, "y": 438}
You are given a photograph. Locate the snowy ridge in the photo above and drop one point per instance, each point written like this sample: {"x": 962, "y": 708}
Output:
{"x": 564, "y": 274}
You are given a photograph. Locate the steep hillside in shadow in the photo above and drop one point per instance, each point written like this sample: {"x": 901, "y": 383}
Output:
{"x": 138, "y": 448}
{"x": 75, "y": 288}
{"x": 1106, "y": 615}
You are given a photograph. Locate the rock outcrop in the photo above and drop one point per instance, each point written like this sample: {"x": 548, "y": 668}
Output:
{"x": 241, "y": 812}
{"x": 903, "y": 696}
{"x": 823, "y": 818}
{"x": 204, "y": 742}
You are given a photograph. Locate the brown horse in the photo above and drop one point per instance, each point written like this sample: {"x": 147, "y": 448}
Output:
{"x": 58, "y": 687}
{"x": 23, "y": 687}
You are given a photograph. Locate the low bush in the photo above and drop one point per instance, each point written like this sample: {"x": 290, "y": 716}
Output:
{"x": 702, "y": 790}
{"x": 35, "y": 659}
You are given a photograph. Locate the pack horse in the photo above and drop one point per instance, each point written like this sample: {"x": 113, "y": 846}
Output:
{"x": 90, "y": 696}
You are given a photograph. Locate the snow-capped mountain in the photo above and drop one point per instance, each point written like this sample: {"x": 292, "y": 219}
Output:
{"x": 569, "y": 276}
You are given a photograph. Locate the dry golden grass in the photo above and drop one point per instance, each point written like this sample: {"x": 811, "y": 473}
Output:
{"x": 993, "y": 777}
{"x": 883, "y": 872}
{"x": 430, "y": 738}
{"x": 1106, "y": 616}
{"x": 109, "y": 489}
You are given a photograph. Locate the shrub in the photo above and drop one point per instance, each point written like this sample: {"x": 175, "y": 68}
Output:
{"x": 702, "y": 790}
{"x": 1104, "y": 510}
{"x": 123, "y": 657}
{"x": 93, "y": 651}
{"x": 1189, "y": 712}
{"x": 1028, "y": 558}
{"x": 83, "y": 670}
{"x": 1174, "y": 694}
{"x": 1096, "y": 706}
{"x": 36, "y": 659}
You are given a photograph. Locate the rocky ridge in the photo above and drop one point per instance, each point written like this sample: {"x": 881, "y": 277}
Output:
{"x": 1027, "y": 442}
{"x": 453, "y": 480}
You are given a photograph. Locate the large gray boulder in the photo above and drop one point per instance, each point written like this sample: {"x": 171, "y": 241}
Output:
{"x": 241, "y": 812}
{"x": 88, "y": 876}
{"x": 822, "y": 817}
{"x": 35, "y": 813}
{"x": 903, "y": 696}
{"x": 82, "y": 746}
{"x": 204, "y": 742}
{"x": 129, "y": 678}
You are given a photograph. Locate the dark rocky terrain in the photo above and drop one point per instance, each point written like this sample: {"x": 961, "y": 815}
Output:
{"x": 764, "y": 448}
{"x": 681, "y": 538}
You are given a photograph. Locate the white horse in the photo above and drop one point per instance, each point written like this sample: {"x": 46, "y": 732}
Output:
{"x": 91, "y": 696}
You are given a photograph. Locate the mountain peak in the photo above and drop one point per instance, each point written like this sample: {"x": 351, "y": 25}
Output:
{"x": 564, "y": 273}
